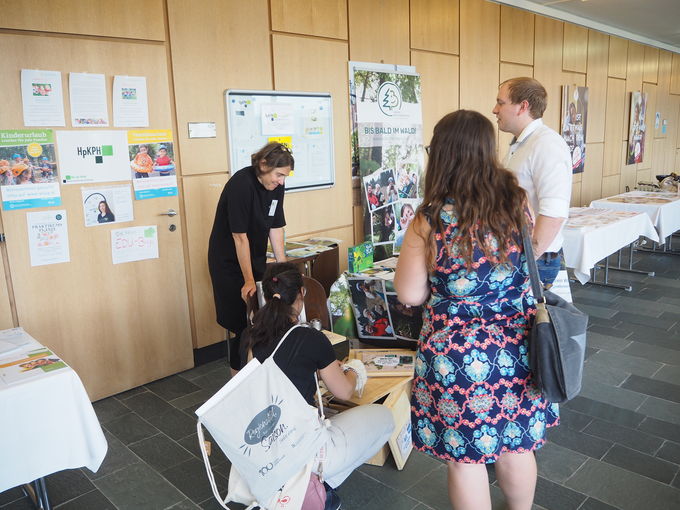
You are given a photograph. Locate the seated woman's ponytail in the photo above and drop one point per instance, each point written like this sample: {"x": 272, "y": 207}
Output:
{"x": 281, "y": 286}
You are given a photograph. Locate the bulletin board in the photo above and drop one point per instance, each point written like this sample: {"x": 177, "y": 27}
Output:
{"x": 301, "y": 120}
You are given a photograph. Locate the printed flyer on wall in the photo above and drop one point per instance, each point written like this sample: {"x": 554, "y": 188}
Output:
{"x": 130, "y": 105}
{"x": 134, "y": 243}
{"x": 92, "y": 156}
{"x": 387, "y": 148}
{"x": 112, "y": 204}
{"x": 42, "y": 98}
{"x": 87, "y": 93}
{"x": 28, "y": 169}
{"x": 574, "y": 123}
{"x": 48, "y": 237}
{"x": 152, "y": 163}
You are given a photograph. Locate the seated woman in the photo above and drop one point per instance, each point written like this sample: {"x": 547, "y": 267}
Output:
{"x": 355, "y": 435}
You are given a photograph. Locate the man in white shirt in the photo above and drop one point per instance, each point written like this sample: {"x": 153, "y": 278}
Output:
{"x": 540, "y": 159}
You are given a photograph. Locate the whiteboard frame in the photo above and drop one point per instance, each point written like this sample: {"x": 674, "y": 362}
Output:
{"x": 230, "y": 142}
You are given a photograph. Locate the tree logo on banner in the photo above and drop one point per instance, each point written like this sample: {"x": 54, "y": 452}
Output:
{"x": 389, "y": 98}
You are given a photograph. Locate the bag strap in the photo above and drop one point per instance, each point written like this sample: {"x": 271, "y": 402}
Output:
{"x": 536, "y": 285}
{"x": 285, "y": 335}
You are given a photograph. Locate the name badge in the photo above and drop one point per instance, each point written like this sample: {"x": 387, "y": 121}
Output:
{"x": 272, "y": 207}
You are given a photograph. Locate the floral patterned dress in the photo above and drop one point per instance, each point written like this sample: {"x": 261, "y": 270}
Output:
{"x": 473, "y": 396}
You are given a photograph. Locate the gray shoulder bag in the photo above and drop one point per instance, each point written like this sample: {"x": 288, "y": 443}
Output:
{"x": 557, "y": 341}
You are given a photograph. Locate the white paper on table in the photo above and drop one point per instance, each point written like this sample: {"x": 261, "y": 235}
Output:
{"x": 117, "y": 198}
{"x": 134, "y": 243}
{"x": 561, "y": 286}
{"x": 93, "y": 156}
{"x": 87, "y": 93}
{"x": 277, "y": 119}
{"x": 130, "y": 102}
{"x": 42, "y": 98}
{"x": 48, "y": 237}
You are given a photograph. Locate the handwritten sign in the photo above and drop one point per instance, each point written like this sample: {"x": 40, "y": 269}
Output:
{"x": 134, "y": 243}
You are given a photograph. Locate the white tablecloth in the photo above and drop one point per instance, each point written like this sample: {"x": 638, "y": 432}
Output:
{"x": 663, "y": 208}
{"x": 592, "y": 234}
{"x": 47, "y": 424}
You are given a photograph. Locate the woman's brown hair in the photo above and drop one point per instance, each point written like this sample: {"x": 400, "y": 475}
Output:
{"x": 487, "y": 198}
{"x": 274, "y": 155}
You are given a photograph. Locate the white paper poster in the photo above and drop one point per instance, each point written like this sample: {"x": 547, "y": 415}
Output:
{"x": 42, "y": 98}
{"x": 48, "y": 237}
{"x": 134, "y": 243}
{"x": 88, "y": 100}
{"x": 107, "y": 205}
{"x": 130, "y": 104}
{"x": 277, "y": 119}
{"x": 93, "y": 156}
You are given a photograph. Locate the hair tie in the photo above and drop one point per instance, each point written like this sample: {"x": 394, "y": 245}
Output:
{"x": 277, "y": 295}
{"x": 275, "y": 279}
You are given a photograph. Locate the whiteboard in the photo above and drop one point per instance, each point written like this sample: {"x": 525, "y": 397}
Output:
{"x": 302, "y": 120}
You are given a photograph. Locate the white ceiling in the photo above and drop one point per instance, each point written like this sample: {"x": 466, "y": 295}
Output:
{"x": 655, "y": 22}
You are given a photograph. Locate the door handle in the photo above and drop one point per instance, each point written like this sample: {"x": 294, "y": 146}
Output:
{"x": 169, "y": 212}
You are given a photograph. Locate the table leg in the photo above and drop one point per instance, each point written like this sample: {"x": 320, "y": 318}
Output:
{"x": 36, "y": 491}
{"x": 630, "y": 269}
{"x": 667, "y": 247}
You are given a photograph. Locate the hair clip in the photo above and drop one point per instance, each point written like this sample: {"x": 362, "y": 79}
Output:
{"x": 275, "y": 279}
{"x": 277, "y": 296}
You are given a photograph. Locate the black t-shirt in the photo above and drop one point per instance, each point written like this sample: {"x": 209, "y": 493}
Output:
{"x": 302, "y": 353}
{"x": 245, "y": 206}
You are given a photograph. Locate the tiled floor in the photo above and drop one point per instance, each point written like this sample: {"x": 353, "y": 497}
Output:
{"x": 618, "y": 445}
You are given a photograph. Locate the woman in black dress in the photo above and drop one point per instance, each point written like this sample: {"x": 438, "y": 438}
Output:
{"x": 249, "y": 212}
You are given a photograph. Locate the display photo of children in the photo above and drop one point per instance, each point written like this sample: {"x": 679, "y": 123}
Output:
{"x": 152, "y": 160}
{"x": 380, "y": 189}
{"x": 383, "y": 225}
{"x": 406, "y": 320}
{"x": 407, "y": 180}
{"x": 406, "y": 211}
{"x": 17, "y": 167}
{"x": 370, "y": 308}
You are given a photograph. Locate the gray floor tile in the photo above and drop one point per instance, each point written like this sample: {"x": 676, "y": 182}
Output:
{"x": 89, "y": 501}
{"x": 191, "y": 478}
{"x": 362, "y": 491}
{"x": 556, "y": 497}
{"x": 595, "y": 374}
{"x": 629, "y": 363}
{"x": 612, "y": 395}
{"x": 109, "y": 408}
{"x": 597, "y": 311}
{"x": 660, "y": 389}
{"x": 641, "y": 463}
{"x": 147, "y": 405}
{"x": 606, "y": 328}
{"x": 67, "y": 485}
{"x": 117, "y": 457}
{"x": 160, "y": 452}
{"x": 594, "y": 504}
{"x": 212, "y": 381}
{"x": 632, "y": 438}
{"x": 557, "y": 463}
{"x": 130, "y": 428}
{"x": 185, "y": 505}
{"x": 123, "y": 396}
{"x": 573, "y": 419}
{"x": 174, "y": 423}
{"x": 10, "y": 496}
{"x": 670, "y": 451}
{"x": 432, "y": 491}
{"x": 196, "y": 398}
{"x": 661, "y": 428}
{"x": 621, "y": 488}
{"x": 140, "y": 487}
{"x": 606, "y": 342}
{"x": 653, "y": 353}
{"x": 661, "y": 410}
{"x": 418, "y": 466}
{"x": 668, "y": 373}
{"x": 19, "y": 504}
{"x": 579, "y": 442}
{"x": 190, "y": 442}
{"x": 644, "y": 320}
{"x": 635, "y": 305}
{"x": 193, "y": 373}
{"x": 605, "y": 412}
{"x": 172, "y": 387}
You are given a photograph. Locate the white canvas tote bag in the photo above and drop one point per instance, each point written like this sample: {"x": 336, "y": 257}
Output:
{"x": 264, "y": 426}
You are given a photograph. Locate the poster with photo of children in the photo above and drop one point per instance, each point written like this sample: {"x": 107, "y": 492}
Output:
{"x": 152, "y": 163}
{"x": 407, "y": 321}
{"x": 405, "y": 211}
{"x": 369, "y": 304}
{"x": 383, "y": 225}
{"x": 28, "y": 169}
{"x": 380, "y": 189}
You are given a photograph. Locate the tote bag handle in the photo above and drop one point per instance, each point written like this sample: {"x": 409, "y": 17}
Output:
{"x": 536, "y": 285}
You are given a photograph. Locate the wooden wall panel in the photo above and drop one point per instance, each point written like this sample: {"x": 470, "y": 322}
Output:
{"x": 596, "y": 80}
{"x": 517, "y": 36}
{"x": 7, "y": 308}
{"x": 575, "y": 194}
{"x": 650, "y": 90}
{"x": 434, "y": 25}
{"x": 672, "y": 139}
{"x": 616, "y": 92}
{"x": 651, "y": 70}
{"x": 330, "y": 208}
{"x": 439, "y": 81}
{"x": 479, "y": 36}
{"x": 201, "y": 194}
{"x": 323, "y": 18}
{"x": 657, "y": 158}
{"x": 130, "y": 19}
{"x": 675, "y": 74}
{"x": 379, "y": 31}
{"x": 618, "y": 57}
{"x": 508, "y": 71}
{"x": 636, "y": 57}
{"x": 663, "y": 89}
{"x": 575, "y": 48}
{"x": 548, "y": 65}
{"x": 206, "y": 64}
{"x": 610, "y": 185}
{"x": 591, "y": 183}
{"x": 628, "y": 172}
